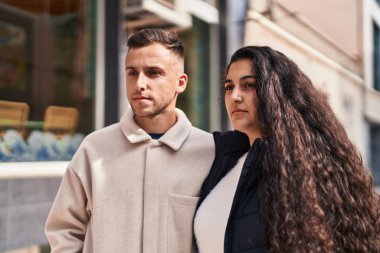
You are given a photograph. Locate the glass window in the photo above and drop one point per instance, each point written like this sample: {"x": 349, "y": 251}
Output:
{"x": 375, "y": 152}
{"x": 376, "y": 55}
{"x": 195, "y": 100}
{"x": 47, "y": 63}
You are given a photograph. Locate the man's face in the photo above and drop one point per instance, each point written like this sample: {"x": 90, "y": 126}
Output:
{"x": 154, "y": 77}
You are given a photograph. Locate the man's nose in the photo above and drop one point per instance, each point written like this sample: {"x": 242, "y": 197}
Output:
{"x": 142, "y": 82}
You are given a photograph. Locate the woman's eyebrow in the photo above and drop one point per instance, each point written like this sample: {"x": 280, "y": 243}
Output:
{"x": 247, "y": 77}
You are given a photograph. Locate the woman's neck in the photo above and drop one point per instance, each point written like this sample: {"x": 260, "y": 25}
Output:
{"x": 253, "y": 135}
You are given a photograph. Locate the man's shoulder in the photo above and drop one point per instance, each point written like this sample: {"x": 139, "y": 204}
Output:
{"x": 99, "y": 144}
{"x": 200, "y": 140}
{"x": 104, "y": 135}
{"x": 199, "y": 131}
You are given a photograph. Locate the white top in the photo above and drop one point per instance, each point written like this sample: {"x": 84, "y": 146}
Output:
{"x": 211, "y": 219}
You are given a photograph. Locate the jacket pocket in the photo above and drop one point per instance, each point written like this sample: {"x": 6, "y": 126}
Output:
{"x": 180, "y": 223}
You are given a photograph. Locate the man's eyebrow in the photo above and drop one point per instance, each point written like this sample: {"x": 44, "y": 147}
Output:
{"x": 148, "y": 67}
{"x": 155, "y": 67}
{"x": 227, "y": 81}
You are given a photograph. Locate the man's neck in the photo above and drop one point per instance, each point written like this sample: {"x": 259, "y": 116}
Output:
{"x": 157, "y": 124}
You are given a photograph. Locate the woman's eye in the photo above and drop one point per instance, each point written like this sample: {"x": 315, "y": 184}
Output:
{"x": 248, "y": 86}
{"x": 228, "y": 87}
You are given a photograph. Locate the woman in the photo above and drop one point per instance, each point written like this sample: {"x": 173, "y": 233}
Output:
{"x": 300, "y": 185}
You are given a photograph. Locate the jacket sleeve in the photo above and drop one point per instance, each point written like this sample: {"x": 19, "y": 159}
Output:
{"x": 67, "y": 222}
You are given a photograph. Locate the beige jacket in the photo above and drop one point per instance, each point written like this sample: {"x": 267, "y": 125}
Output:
{"x": 125, "y": 192}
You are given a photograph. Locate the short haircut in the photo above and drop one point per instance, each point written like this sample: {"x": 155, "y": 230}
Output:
{"x": 168, "y": 39}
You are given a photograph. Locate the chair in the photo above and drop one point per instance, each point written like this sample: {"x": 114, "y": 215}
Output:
{"x": 13, "y": 115}
{"x": 61, "y": 120}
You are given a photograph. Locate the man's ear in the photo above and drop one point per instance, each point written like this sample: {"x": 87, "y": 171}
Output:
{"x": 182, "y": 83}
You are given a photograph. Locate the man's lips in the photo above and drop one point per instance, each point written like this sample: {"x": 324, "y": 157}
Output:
{"x": 140, "y": 98}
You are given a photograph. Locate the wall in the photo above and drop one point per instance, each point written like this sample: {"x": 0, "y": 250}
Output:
{"x": 343, "y": 88}
{"x": 24, "y": 207}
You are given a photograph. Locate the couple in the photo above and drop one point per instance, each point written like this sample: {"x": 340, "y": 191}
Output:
{"x": 286, "y": 180}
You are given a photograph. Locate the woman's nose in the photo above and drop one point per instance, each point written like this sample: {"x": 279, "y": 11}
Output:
{"x": 236, "y": 95}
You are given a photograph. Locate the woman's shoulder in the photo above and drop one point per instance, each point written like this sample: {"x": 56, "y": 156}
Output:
{"x": 229, "y": 146}
{"x": 231, "y": 141}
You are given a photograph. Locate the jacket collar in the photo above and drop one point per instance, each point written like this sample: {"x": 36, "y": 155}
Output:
{"x": 174, "y": 137}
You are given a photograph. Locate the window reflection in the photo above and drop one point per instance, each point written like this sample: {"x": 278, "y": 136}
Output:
{"x": 47, "y": 60}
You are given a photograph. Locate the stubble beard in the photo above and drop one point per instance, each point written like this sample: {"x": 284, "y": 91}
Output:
{"x": 154, "y": 112}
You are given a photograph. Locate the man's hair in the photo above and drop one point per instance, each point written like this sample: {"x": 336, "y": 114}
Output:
{"x": 316, "y": 194}
{"x": 168, "y": 39}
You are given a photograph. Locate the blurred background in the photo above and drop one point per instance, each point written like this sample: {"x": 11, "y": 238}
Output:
{"x": 62, "y": 77}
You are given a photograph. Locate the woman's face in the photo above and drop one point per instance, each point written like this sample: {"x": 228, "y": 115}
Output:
{"x": 240, "y": 97}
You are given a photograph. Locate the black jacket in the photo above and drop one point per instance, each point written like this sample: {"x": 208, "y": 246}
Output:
{"x": 244, "y": 232}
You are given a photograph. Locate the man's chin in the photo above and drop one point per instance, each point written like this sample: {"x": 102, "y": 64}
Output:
{"x": 143, "y": 114}
{"x": 151, "y": 112}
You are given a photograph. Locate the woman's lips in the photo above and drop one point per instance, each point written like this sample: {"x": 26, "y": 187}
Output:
{"x": 238, "y": 111}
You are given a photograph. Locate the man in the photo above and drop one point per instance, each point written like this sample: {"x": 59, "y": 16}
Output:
{"x": 133, "y": 186}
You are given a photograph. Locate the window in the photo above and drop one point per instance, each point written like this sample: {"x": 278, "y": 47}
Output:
{"x": 375, "y": 152}
{"x": 47, "y": 61}
{"x": 195, "y": 101}
{"x": 376, "y": 55}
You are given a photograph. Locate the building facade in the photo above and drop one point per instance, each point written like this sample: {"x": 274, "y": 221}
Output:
{"x": 371, "y": 61}
{"x": 335, "y": 43}
{"x": 70, "y": 54}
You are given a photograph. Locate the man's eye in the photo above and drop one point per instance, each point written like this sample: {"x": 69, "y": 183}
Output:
{"x": 153, "y": 73}
{"x": 133, "y": 73}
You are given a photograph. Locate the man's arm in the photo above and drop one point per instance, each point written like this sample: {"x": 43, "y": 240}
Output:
{"x": 67, "y": 222}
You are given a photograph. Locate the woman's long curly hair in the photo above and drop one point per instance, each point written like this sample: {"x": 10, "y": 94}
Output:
{"x": 317, "y": 196}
